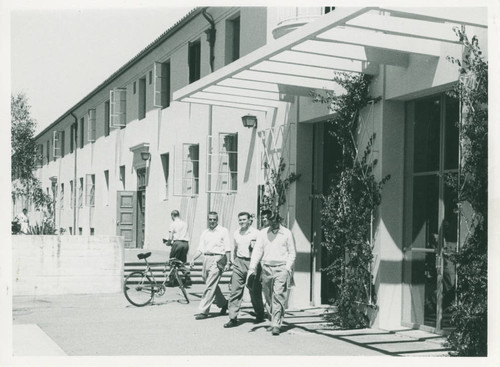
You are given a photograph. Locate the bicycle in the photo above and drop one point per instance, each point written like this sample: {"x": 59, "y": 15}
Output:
{"x": 141, "y": 287}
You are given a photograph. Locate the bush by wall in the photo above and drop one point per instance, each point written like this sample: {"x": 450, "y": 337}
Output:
{"x": 470, "y": 311}
{"x": 349, "y": 206}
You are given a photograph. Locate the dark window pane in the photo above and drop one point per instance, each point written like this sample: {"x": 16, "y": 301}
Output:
{"x": 425, "y": 211}
{"x": 451, "y": 134}
{"x": 427, "y": 135}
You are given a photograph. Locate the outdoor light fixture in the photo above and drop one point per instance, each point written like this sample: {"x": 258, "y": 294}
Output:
{"x": 249, "y": 121}
{"x": 145, "y": 156}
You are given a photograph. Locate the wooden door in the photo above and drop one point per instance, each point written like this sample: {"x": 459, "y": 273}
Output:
{"x": 126, "y": 217}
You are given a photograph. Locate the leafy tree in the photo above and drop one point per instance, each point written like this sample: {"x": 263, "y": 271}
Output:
{"x": 470, "y": 311}
{"x": 24, "y": 156}
{"x": 23, "y": 148}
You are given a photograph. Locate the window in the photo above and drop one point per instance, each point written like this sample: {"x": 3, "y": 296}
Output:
{"x": 39, "y": 155}
{"x": 72, "y": 192}
{"x": 106, "y": 118}
{"x": 328, "y": 9}
{"x": 142, "y": 98}
{"x": 194, "y": 60}
{"x": 62, "y": 135}
{"x": 118, "y": 107}
{"x": 150, "y": 76}
{"x": 90, "y": 190}
{"x": 80, "y": 230}
{"x": 91, "y": 133}
{"x": 161, "y": 84}
{"x": 186, "y": 175}
{"x": 141, "y": 179}
{"x": 70, "y": 230}
{"x": 80, "y": 132}
{"x": 47, "y": 156}
{"x": 72, "y": 137}
{"x": 80, "y": 193}
{"x": 135, "y": 87}
{"x": 58, "y": 144}
{"x": 232, "y": 40}
{"x": 165, "y": 164}
{"x": 224, "y": 164}
{"x": 122, "y": 176}
{"x": 92, "y": 231}
{"x": 61, "y": 197}
{"x": 106, "y": 187}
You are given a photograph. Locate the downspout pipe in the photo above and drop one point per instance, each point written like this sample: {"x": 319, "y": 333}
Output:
{"x": 210, "y": 36}
{"x": 73, "y": 199}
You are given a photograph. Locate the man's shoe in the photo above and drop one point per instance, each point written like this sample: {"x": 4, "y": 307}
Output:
{"x": 201, "y": 316}
{"x": 275, "y": 331}
{"x": 231, "y": 323}
{"x": 223, "y": 310}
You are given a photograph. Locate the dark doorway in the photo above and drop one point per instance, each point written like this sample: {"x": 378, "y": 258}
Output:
{"x": 329, "y": 163}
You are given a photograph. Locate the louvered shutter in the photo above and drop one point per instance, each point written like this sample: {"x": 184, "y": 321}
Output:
{"x": 118, "y": 102}
{"x": 91, "y": 133}
{"x": 56, "y": 144}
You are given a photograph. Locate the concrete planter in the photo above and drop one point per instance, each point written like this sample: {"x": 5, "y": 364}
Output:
{"x": 44, "y": 265}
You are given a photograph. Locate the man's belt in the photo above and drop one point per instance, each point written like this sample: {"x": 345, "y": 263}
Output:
{"x": 212, "y": 254}
{"x": 244, "y": 258}
{"x": 273, "y": 263}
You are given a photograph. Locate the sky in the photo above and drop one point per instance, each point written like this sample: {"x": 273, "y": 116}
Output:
{"x": 58, "y": 56}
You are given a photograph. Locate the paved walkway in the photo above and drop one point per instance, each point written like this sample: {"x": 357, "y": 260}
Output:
{"x": 107, "y": 325}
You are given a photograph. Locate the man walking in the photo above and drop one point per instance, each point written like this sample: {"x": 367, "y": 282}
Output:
{"x": 275, "y": 249}
{"x": 243, "y": 241}
{"x": 178, "y": 237}
{"x": 216, "y": 248}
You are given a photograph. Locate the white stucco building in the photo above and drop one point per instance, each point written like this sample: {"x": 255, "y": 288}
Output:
{"x": 181, "y": 100}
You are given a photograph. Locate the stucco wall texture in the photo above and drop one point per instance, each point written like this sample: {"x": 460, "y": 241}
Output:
{"x": 43, "y": 265}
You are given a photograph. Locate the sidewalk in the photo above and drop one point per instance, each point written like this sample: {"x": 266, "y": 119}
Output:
{"x": 107, "y": 325}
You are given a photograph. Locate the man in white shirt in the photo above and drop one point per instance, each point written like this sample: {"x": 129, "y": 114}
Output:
{"x": 216, "y": 248}
{"x": 244, "y": 239}
{"x": 179, "y": 238}
{"x": 22, "y": 219}
{"x": 275, "y": 250}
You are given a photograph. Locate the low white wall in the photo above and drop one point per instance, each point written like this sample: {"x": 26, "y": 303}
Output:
{"x": 66, "y": 264}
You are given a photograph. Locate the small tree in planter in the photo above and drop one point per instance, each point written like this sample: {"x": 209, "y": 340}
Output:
{"x": 349, "y": 206}
{"x": 276, "y": 187}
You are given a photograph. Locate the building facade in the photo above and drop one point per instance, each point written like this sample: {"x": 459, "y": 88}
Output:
{"x": 165, "y": 132}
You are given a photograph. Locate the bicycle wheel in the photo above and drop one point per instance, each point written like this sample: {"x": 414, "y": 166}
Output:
{"x": 181, "y": 286}
{"x": 138, "y": 288}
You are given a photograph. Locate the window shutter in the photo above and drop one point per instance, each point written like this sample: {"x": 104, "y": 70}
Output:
{"x": 88, "y": 189}
{"x": 91, "y": 133}
{"x": 80, "y": 193}
{"x": 157, "y": 84}
{"x": 56, "y": 145}
{"x": 61, "y": 200}
{"x": 118, "y": 101}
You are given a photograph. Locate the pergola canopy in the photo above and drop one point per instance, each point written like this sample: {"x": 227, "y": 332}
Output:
{"x": 347, "y": 39}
